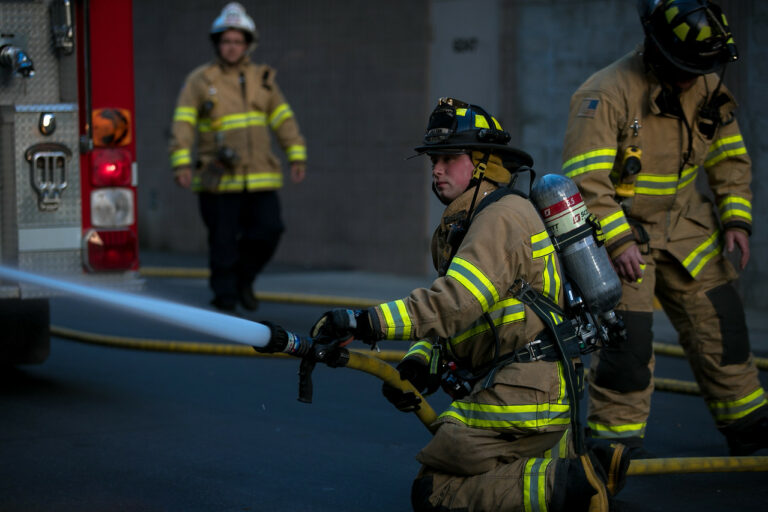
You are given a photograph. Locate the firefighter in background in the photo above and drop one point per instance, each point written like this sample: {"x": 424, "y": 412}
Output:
{"x": 231, "y": 104}
{"x": 639, "y": 132}
{"x": 505, "y": 444}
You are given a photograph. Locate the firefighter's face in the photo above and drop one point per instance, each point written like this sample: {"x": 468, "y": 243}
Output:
{"x": 232, "y": 46}
{"x": 451, "y": 175}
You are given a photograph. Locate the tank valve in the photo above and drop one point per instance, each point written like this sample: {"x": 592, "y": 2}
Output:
{"x": 17, "y": 61}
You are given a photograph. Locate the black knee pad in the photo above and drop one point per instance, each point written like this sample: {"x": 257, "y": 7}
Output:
{"x": 623, "y": 366}
{"x": 733, "y": 326}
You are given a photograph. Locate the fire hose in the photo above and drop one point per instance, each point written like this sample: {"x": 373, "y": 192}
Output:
{"x": 252, "y": 334}
{"x": 377, "y": 366}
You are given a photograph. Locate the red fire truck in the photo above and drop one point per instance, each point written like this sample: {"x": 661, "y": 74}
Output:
{"x": 68, "y": 171}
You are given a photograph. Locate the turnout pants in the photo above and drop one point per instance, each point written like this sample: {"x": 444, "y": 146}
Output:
{"x": 244, "y": 229}
{"x": 497, "y": 448}
{"x": 709, "y": 318}
{"x": 468, "y": 469}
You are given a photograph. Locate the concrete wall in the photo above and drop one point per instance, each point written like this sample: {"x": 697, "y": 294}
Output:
{"x": 355, "y": 74}
{"x": 362, "y": 78}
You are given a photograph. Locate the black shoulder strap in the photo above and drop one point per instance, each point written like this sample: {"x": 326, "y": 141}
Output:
{"x": 495, "y": 196}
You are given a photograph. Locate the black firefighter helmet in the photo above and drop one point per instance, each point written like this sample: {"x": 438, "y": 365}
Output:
{"x": 692, "y": 35}
{"x": 459, "y": 127}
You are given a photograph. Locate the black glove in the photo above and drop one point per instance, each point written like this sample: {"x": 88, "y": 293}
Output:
{"x": 417, "y": 374}
{"x": 405, "y": 401}
{"x": 340, "y": 324}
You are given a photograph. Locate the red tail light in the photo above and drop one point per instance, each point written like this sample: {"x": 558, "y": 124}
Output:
{"x": 110, "y": 168}
{"x": 111, "y": 250}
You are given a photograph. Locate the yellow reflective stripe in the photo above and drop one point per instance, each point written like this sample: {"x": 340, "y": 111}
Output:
{"x": 682, "y": 30}
{"x": 597, "y": 160}
{"x": 509, "y": 416}
{"x": 724, "y": 148}
{"x": 602, "y": 431}
{"x": 186, "y": 115}
{"x": 560, "y": 449}
{"x": 204, "y": 125}
{"x": 702, "y": 254}
{"x": 296, "y": 153}
{"x": 422, "y": 348}
{"x": 180, "y": 157}
{"x": 475, "y": 281}
{"x": 279, "y": 115}
{"x": 704, "y": 33}
{"x": 733, "y": 206}
{"x": 238, "y": 182}
{"x": 261, "y": 180}
{"x": 671, "y": 13}
{"x": 562, "y": 397}
{"x": 656, "y": 185}
{"x": 398, "y": 323}
{"x": 535, "y": 485}
{"x": 480, "y": 121}
{"x": 541, "y": 245}
{"x": 687, "y": 176}
{"x": 551, "y": 279}
{"x": 503, "y": 312}
{"x": 233, "y": 121}
{"x": 736, "y": 409}
{"x": 406, "y": 319}
{"x": 614, "y": 225}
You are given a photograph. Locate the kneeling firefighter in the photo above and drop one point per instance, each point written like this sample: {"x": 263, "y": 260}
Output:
{"x": 504, "y": 443}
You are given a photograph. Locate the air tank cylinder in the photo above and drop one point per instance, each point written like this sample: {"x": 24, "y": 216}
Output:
{"x": 586, "y": 263}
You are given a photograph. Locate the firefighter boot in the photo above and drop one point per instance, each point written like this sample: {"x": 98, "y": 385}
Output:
{"x": 247, "y": 299}
{"x": 748, "y": 434}
{"x": 634, "y": 446}
{"x": 614, "y": 459}
{"x": 589, "y": 481}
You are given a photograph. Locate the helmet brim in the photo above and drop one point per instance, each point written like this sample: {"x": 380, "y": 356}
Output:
{"x": 512, "y": 157}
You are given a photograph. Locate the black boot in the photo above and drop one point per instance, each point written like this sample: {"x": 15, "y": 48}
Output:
{"x": 589, "y": 481}
{"x": 577, "y": 484}
{"x": 634, "y": 446}
{"x": 614, "y": 459}
{"x": 247, "y": 298}
{"x": 747, "y": 435}
{"x": 224, "y": 303}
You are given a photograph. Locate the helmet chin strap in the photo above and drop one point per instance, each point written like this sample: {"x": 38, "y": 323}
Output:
{"x": 477, "y": 176}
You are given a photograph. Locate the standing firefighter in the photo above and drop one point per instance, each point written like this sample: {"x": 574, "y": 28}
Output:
{"x": 504, "y": 443}
{"x": 639, "y": 132}
{"x": 231, "y": 104}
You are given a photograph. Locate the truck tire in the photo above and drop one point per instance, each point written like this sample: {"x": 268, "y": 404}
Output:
{"x": 24, "y": 331}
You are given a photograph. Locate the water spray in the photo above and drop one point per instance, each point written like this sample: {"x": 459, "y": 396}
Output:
{"x": 223, "y": 326}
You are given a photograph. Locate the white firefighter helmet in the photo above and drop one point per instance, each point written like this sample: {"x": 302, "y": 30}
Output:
{"x": 233, "y": 16}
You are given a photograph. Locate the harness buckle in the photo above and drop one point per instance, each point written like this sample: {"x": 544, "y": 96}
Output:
{"x": 534, "y": 350}
{"x": 523, "y": 291}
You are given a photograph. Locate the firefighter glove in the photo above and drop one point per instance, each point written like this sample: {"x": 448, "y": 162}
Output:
{"x": 340, "y": 324}
{"x": 417, "y": 374}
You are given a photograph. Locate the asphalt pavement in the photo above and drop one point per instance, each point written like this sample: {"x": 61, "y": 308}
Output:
{"x": 104, "y": 429}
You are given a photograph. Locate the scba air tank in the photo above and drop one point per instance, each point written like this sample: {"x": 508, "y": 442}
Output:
{"x": 586, "y": 263}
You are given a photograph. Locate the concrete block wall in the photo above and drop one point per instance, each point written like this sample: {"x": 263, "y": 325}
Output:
{"x": 355, "y": 74}
{"x": 361, "y": 77}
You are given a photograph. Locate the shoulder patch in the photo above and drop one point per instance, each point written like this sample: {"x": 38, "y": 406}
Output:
{"x": 588, "y": 107}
